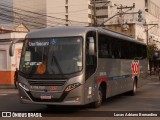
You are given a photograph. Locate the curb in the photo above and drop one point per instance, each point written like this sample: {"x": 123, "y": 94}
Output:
{"x": 7, "y": 87}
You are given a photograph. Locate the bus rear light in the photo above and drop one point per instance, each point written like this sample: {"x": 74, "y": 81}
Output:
{"x": 72, "y": 86}
{"x": 24, "y": 86}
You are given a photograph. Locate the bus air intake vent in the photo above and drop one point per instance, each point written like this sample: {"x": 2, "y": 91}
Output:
{"x": 47, "y": 82}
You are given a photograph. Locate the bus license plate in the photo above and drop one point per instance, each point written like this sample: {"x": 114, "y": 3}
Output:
{"x": 45, "y": 96}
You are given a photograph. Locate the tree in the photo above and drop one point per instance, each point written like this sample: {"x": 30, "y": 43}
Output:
{"x": 151, "y": 49}
{"x": 150, "y": 55}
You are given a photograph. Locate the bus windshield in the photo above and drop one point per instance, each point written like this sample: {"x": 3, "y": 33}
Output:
{"x": 52, "y": 56}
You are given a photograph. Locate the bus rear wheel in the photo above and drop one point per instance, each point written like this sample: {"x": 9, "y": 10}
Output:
{"x": 134, "y": 89}
{"x": 99, "y": 100}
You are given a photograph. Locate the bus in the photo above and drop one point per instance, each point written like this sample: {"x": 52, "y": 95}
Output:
{"x": 79, "y": 65}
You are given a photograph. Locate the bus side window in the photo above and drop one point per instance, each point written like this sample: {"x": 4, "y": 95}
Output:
{"x": 104, "y": 46}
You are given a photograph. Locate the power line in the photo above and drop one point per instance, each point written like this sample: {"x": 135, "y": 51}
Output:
{"x": 27, "y": 11}
{"x": 20, "y": 19}
{"x": 9, "y": 20}
{"x": 3, "y": 14}
{"x": 6, "y": 14}
{"x": 69, "y": 11}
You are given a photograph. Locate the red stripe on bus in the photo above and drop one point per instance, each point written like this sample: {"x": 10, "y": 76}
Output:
{"x": 102, "y": 80}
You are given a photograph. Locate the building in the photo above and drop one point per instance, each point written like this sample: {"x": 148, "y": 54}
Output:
{"x": 69, "y": 12}
{"x": 101, "y": 10}
{"x": 37, "y": 14}
{"x": 32, "y": 13}
{"x": 9, "y": 32}
{"x": 146, "y": 30}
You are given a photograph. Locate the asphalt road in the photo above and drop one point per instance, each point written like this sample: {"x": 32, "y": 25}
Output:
{"x": 146, "y": 99}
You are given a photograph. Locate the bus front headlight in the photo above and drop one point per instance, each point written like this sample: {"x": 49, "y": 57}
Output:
{"x": 24, "y": 86}
{"x": 72, "y": 86}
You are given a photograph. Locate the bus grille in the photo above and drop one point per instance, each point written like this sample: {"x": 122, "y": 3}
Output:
{"x": 47, "y": 82}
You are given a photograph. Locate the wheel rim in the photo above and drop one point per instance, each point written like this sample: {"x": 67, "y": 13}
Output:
{"x": 134, "y": 87}
{"x": 99, "y": 101}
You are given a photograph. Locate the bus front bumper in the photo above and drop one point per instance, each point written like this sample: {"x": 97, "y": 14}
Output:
{"x": 74, "y": 97}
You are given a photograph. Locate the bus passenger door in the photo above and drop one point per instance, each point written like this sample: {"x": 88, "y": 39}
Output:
{"x": 91, "y": 54}
{"x": 90, "y": 67}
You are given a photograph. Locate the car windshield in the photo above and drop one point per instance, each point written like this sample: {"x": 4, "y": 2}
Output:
{"x": 52, "y": 56}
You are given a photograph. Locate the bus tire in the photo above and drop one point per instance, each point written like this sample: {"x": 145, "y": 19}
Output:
{"x": 99, "y": 100}
{"x": 134, "y": 89}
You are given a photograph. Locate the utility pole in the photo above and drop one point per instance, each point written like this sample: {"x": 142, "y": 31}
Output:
{"x": 121, "y": 12}
{"x": 94, "y": 10}
{"x": 147, "y": 40}
{"x": 147, "y": 29}
{"x": 125, "y": 7}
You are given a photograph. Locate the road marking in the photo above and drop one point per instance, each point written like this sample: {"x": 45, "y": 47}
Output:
{"x": 3, "y": 94}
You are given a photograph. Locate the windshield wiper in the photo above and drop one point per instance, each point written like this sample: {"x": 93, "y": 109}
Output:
{"x": 57, "y": 64}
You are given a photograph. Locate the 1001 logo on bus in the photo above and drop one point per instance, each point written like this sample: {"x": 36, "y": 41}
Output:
{"x": 135, "y": 67}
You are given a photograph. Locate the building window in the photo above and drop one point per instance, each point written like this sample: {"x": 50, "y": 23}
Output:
{"x": 66, "y": 9}
{"x": 66, "y": 17}
{"x": 3, "y": 59}
{"x": 89, "y": 7}
{"x": 66, "y": 20}
{"x": 102, "y": 16}
{"x": 89, "y": 15}
{"x": 101, "y": 8}
{"x": 66, "y": 1}
{"x": 146, "y": 3}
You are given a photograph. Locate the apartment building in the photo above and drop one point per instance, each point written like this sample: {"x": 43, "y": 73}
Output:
{"x": 37, "y": 14}
{"x": 69, "y": 12}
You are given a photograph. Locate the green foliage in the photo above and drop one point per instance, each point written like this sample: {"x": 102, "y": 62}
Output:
{"x": 151, "y": 49}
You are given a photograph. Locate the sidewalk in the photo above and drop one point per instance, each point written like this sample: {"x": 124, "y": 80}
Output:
{"x": 7, "y": 91}
{"x": 7, "y": 87}
{"x": 153, "y": 78}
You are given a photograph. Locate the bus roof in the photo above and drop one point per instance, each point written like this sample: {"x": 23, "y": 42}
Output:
{"x": 63, "y": 31}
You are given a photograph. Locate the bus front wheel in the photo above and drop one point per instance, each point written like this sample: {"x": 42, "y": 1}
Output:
{"x": 99, "y": 100}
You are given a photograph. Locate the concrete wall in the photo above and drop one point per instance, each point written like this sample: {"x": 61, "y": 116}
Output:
{"x": 56, "y": 9}
{"x": 8, "y": 64}
{"x": 77, "y": 11}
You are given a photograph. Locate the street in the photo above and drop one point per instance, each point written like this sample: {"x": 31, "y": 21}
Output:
{"x": 146, "y": 99}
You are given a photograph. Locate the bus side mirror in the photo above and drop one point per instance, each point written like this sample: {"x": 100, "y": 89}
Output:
{"x": 91, "y": 46}
{"x": 12, "y": 46}
{"x": 11, "y": 49}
